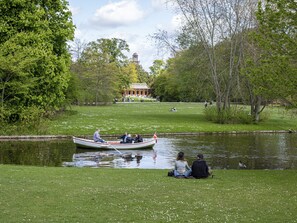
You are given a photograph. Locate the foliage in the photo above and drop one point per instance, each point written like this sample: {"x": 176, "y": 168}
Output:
{"x": 107, "y": 50}
{"x": 233, "y": 115}
{"x": 274, "y": 73}
{"x": 100, "y": 71}
{"x": 104, "y": 195}
{"x": 156, "y": 70}
{"x": 278, "y": 24}
{"x": 191, "y": 69}
{"x": 226, "y": 63}
{"x": 142, "y": 99}
{"x": 143, "y": 76}
{"x": 29, "y": 120}
{"x": 219, "y": 28}
{"x": 165, "y": 88}
{"x": 33, "y": 54}
{"x": 130, "y": 73}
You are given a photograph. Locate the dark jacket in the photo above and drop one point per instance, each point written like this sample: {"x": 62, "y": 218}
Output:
{"x": 123, "y": 138}
{"x": 129, "y": 139}
{"x": 138, "y": 139}
{"x": 200, "y": 169}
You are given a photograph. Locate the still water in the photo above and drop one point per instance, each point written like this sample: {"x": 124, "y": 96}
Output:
{"x": 257, "y": 151}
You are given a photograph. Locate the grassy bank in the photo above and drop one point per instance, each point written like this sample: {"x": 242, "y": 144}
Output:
{"x": 36, "y": 194}
{"x": 150, "y": 117}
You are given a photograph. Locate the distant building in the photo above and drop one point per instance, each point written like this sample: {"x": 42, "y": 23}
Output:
{"x": 138, "y": 89}
{"x": 135, "y": 58}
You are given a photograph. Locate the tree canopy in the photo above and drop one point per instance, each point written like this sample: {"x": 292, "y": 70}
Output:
{"x": 277, "y": 38}
{"x": 34, "y": 56}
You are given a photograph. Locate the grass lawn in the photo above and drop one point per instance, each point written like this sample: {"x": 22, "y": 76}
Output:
{"x": 43, "y": 194}
{"x": 146, "y": 118}
{"x": 56, "y": 194}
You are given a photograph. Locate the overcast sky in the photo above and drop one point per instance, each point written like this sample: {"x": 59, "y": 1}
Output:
{"x": 131, "y": 20}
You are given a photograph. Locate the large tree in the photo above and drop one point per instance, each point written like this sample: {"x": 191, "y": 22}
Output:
{"x": 100, "y": 70}
{"x": 34, "y": 59}
{"x": 269, "y": 68}
{"x": 213, "y": 22}
{"x": 275, "y": 72}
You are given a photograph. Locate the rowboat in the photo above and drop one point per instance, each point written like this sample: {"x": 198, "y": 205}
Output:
{"x": 88, "y": 143}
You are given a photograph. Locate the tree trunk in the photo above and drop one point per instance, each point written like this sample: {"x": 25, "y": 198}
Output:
{"x": 256, "y": 108}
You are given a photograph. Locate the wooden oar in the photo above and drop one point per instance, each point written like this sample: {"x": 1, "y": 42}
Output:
{"x": 115, "y": 149}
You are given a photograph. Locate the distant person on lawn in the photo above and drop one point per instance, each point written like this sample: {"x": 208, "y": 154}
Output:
{"x": 200, "y": 168}
{"x": 97, "y": 137}
{"x": 181, "y": 168}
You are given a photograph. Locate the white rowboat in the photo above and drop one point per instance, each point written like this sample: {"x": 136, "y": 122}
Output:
{"x": 88, "y": 143}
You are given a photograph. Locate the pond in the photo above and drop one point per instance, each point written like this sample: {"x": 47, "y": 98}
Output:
{"x": 257, "y": 151}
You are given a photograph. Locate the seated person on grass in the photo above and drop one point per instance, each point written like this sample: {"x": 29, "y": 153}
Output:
{"x": 200, "y": 168}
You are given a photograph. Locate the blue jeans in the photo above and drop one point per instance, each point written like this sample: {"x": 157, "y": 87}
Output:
{"x": 99, "y": 140}
{"x": 186, "y": 174}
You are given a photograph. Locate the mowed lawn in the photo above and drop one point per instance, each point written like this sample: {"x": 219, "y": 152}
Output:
{"x": 49, "y": 194}
{"x": 147, "y": 118}
{"x": 60, "y": 194}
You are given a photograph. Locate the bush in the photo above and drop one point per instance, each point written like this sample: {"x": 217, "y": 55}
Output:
{"x": 233, "y": 115}
{"x": 141, "y": 99}
{"x": 22, "y": 120}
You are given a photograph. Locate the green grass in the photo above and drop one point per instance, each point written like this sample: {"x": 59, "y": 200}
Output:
{"x": 37, "y": 194}
{"x": 146, "y": 118}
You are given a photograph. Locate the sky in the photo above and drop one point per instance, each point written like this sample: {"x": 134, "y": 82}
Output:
{"x": 131, "y": 20}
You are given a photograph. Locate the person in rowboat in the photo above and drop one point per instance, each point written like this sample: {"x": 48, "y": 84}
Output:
{"x": 138, "y": 138}
{"x": 124, "y": 138}
{"x": 129, "y": 139}
{"x": 97, "y": 137}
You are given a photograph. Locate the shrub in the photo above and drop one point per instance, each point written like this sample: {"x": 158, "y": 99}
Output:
{"x": 233, "y": 115}
{"x": 22, "y": 120}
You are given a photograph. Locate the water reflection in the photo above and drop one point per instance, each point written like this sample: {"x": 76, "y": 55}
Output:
{"x": 257, "y": 151}
{"x": 36, "y": 153}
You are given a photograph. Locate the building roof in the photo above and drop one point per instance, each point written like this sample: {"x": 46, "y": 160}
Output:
{"x": 139, "y": 86}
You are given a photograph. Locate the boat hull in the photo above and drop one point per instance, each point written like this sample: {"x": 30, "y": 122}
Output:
{"x": 109, "y": 145}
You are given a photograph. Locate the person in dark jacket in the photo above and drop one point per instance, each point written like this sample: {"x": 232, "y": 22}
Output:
{"x": 138, "y": 138}
{"x": 129, "y": 139}
{"x": 200, "y": 168}
{"x": 124, "y": 138}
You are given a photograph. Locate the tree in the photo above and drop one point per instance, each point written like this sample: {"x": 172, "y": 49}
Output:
{"x": 277, "y": 38}
{"x": 34, "y": 57}
{"x": 269, "y": 63}
{"x": 156, "y": 70}
{"x": 76, "y": 48}
{"x": 130, "y": 71}
{"x": 212, "y": 22}
{"x": 166, "y": 41}
{"x": 187, "y": 72}
{"x": 143, "y": 76}
{"x": 101, "y": 70}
